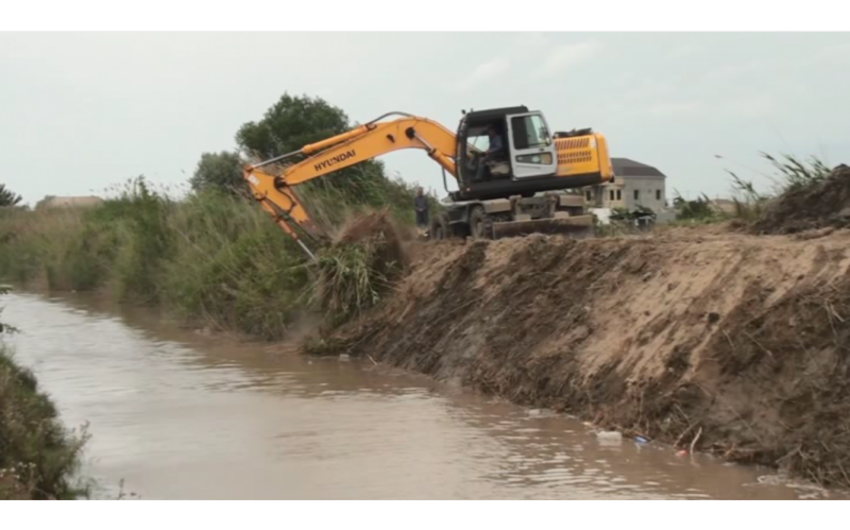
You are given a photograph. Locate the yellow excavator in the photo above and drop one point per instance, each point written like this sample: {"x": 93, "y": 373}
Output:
{"x": 511, "y": 172}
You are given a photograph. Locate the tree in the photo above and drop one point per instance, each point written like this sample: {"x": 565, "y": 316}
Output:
{"x": 44, "y": 202}
{"x": 286, "y": 126}
{"x": 7, "y": 197}
{"x": 290, "y": 124}
{"x": 220, "y": 171}
{"x": 295, "y": 121}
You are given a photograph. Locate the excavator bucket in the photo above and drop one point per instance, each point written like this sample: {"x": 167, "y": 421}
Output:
{"x": 578, "y": 227}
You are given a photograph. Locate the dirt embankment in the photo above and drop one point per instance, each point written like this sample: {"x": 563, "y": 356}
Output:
{"x": 736, "y": 344}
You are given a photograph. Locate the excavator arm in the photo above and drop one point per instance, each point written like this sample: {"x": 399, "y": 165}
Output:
{"x": 376, "y": 138}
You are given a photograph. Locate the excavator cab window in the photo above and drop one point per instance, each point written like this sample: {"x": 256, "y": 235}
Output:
{"x": 529, "y": 132}
{"x": 478, "y": 140}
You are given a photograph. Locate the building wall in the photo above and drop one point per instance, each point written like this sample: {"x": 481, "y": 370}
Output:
{"x": 648, "y": 192}
{"x": 611, "y": 195}
{"x": 651, "y": 193}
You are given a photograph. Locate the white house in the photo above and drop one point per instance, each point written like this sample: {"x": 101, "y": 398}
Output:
{"x": 635, "y": 184}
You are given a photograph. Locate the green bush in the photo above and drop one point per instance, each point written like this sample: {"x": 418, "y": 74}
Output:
{"x": 233, "y": 268}
{"x": 698, "y": 211}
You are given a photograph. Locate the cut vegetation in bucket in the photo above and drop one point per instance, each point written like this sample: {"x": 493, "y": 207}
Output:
{"x": 359, "y": 267}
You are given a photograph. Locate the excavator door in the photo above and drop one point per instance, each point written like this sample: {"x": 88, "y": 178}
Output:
{"x": 532, "y": 149}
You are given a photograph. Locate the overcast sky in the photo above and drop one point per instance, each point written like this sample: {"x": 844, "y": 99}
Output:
{"x": 79, "y": 112}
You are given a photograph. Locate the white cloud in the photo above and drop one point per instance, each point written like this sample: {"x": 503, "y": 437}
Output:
{"x": 482, "y": 73}
{"x": 561, "y": 58}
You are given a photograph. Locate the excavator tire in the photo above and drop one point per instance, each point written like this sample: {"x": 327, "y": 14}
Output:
{"x": 440, "y": 227}
{"x": 480, "y": 224}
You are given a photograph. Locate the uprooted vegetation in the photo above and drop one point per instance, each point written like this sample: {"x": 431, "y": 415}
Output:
{"x": 359, "y": 267}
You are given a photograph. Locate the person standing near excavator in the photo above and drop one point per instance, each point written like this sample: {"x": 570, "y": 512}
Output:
{"x": 420, "y": 202}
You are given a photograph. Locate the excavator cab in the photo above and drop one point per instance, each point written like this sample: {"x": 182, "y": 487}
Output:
{"x": 525, "y": 150}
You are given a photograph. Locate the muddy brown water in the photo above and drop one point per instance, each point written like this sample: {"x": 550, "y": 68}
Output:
{"x": 175, "y": 414}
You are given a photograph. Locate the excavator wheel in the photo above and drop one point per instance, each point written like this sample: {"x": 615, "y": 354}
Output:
{"x": 480, "y": 224}
{"x": 460, "y": 230}
{"x": 440, "y": 227}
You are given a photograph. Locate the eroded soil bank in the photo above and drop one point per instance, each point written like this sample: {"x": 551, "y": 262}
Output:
{"x": 727, "y": 343}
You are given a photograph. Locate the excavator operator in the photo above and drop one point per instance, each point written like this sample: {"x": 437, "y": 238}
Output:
{"x": 495, "y": 150}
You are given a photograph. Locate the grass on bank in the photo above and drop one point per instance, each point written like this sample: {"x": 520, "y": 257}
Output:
{"x": 213, "y": 258}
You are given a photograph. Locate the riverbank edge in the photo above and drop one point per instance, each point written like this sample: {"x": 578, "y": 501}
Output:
{"x": 39, "y": 457}
{"x": 741, "y": 369}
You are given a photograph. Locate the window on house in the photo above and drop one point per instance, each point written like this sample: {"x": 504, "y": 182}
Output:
{"x": 610, "y": 195}
{"x": 657, "y": 195}
{"x": 619, "y": 195}
{"x": 588, "y": 195}
{"x": 637, "y": 195}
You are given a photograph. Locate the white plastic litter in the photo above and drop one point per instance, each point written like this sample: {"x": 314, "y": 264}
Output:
{"x": 609, "y": 437}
